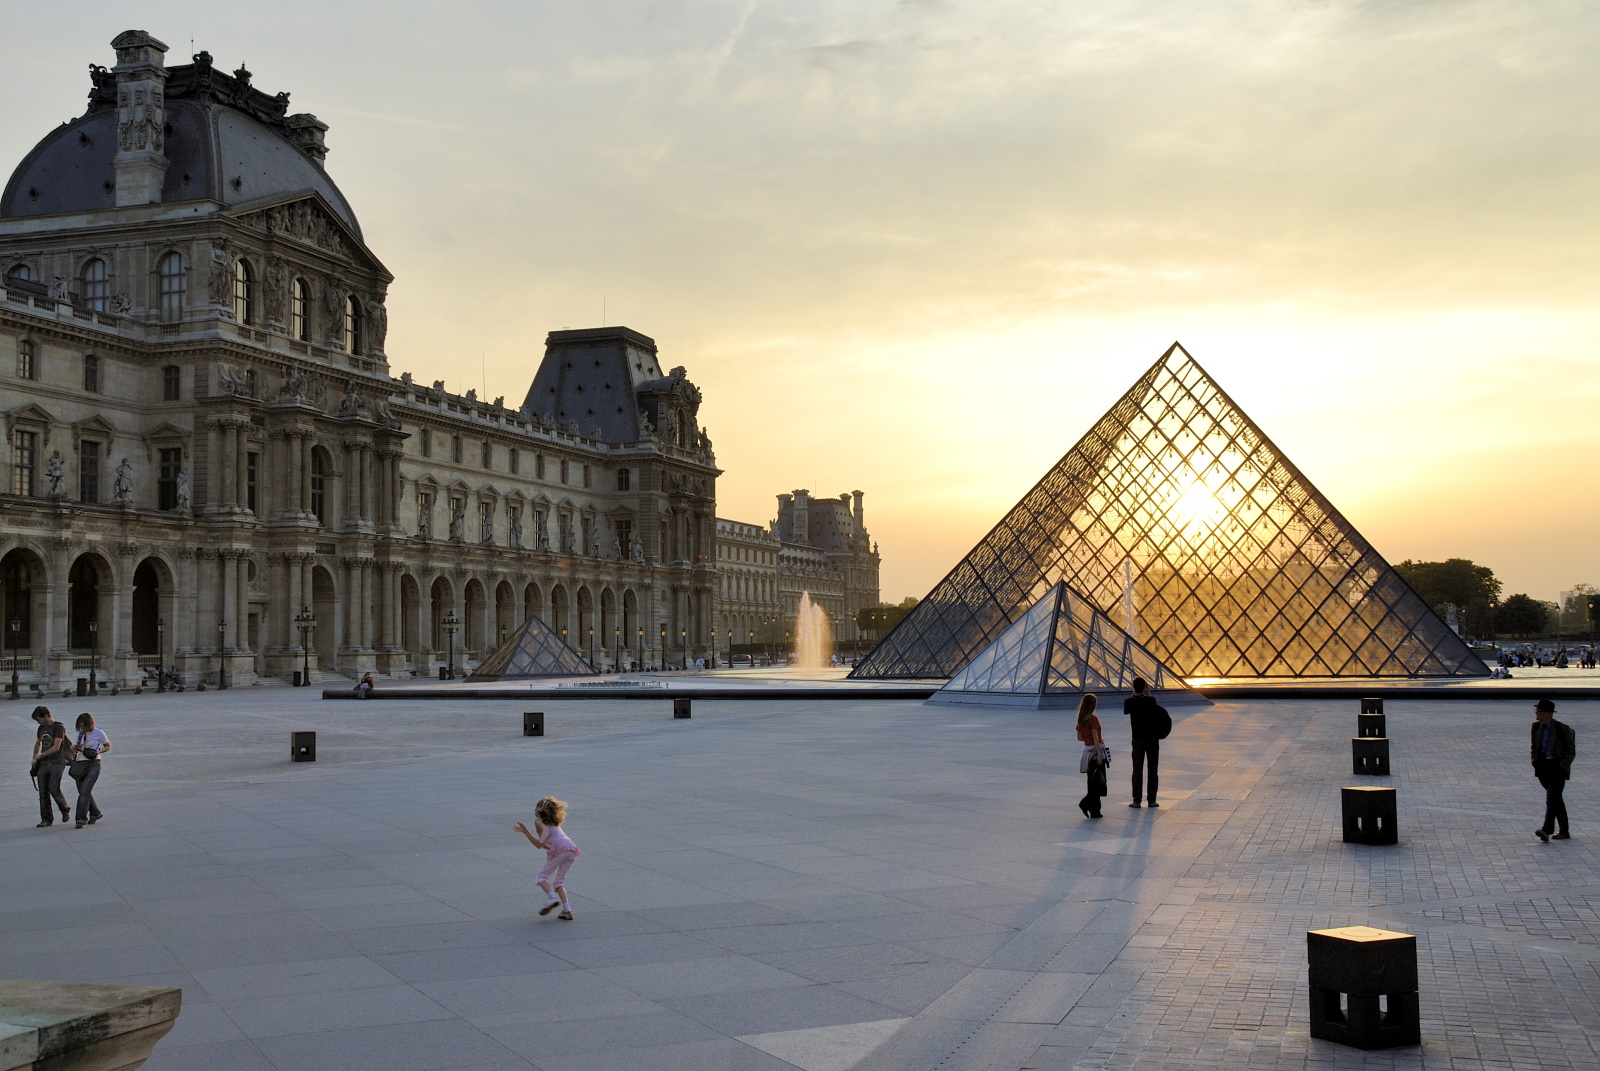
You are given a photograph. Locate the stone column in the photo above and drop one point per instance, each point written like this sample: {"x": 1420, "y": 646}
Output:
{"x": 227, "y": 464}
{"x": 241, "y": 602}
{"x": 366, "y": 483}
{"x": 303, "y": 467}
{"x": 241, "y": 461}
{"x": 369, "y": 596}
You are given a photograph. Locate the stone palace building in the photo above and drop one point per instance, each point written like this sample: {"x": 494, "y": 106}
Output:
{"x": 209, "y": 464}
{"x": 818, "y": 546}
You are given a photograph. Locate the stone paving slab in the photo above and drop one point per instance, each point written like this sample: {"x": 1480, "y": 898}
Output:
{"x": 868, "y": 886}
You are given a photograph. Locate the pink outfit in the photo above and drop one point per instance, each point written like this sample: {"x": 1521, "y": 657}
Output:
{"x": 558, "y": 857}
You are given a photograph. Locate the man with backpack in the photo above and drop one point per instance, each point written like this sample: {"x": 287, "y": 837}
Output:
{"x": 1150, "y": 723}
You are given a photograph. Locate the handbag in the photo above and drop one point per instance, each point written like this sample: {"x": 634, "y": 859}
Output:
{"x": 1097, "y": 780}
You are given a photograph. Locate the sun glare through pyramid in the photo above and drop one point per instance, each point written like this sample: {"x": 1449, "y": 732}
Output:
{"x": 1198, "y": 510}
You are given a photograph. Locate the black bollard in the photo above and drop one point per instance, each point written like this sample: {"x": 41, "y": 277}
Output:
{"x": 533, "y": 723}
{"x": 680, "y": 708}
{"x": 1364, "y": 987}
{"x": 1369, "y": 756}
{"x": 303, "y": 746}
{"x": 1372, "y": 725}
{"x": 1369, "y": 815}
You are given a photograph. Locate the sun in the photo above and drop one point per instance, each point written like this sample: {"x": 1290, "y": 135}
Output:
{"x": 1197, "y": 510}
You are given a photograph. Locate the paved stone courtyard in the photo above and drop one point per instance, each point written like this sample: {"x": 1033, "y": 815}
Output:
{"x": 886, "y": 885}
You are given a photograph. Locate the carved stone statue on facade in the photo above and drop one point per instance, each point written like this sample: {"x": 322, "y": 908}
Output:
{"x": 122, "y": 304}
{"x": 424, "y": 517}
{"x": 458, "y": 524}
{"x": 56, "y": 473}
{"x": 333, "y": 312}
{"x": 487, "y": 535}
{"x": 122, "y": 486}
{"x": 273, "y": 288}
{"x": 183, "y": 490}
{"x": 594, "y": 545}
{"x": 354, "y": 402}
{"x": 222, "y": 280}
{"x": 58, "y": 288}
{"x": 231, "y": 381}
{"x": 638, "y": 549}
{"x": 616, "y": 547}
{"x": 294, "y": 384}
{"x": 377, "y": 323}
{"x": 514, "y": 526}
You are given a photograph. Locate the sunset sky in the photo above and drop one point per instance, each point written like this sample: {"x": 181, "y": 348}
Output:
{"x": 917, "y": 248}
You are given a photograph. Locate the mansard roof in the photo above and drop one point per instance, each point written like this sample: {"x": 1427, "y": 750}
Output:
{"x": 226, "y": 142}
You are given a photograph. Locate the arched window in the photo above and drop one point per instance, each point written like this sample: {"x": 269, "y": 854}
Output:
{"x": 20, "y": 272}
{"x": 243, "y": 307}
{"x": 299, "y": 311}
{"x": 624, "y": 480}
{"x": 96, "y": 285}
{"x": 174, "y": 287}
{"x": 352, "y": 325}
{"x": 319, "y": 484}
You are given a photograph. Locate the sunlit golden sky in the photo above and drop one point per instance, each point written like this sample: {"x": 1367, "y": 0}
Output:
{"x": 917, "y": 247}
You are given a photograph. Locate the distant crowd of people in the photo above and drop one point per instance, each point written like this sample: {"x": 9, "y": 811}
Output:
{"x": 1539, "y": 658}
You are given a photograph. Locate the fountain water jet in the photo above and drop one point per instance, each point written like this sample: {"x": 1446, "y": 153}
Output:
{"x": 813, "y": 643}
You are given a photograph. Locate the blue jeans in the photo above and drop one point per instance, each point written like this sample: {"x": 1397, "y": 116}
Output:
{"x": 86, "y": 808}
{"x": 50, "y": 789}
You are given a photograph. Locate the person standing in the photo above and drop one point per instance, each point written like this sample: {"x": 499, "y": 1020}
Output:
{"x": 1149, "y": 724}
{"x": 1554, "y": 745}
{"x": 1089, "y": 735}
{"x": 90, "y": 745}
{"x": 50, "y": 751}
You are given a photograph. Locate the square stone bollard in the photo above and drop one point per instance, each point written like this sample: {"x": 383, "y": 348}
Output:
{"x": 64, "y": 1025}
{"x": 1364, "y": 987}
{"x": 533, "y": 723}
{"x": 1372, "y": 725}
{"x": 1369, "y": 755}
{"x": 680, "y": 708}
{"x": 1372, "y": 706}
{"x": 1369, "y": 815}
{"x": 303, "y": 746}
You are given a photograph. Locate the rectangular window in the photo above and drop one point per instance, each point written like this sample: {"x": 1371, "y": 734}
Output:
{"x": 455, "y": 449}
{"x": 488, "y": 454}
{"x": 252, "y": 479}
{"x": 564, "y": 470}
{"x": 26, "y": 367}
{"x": 24, "y": 459}
{"x": 538, "y": 466}
{"x": 625, "y": 537}
{"x": 586, "y": 480}
{"x": 88, "y": 471}
{"x": 515, "y": 460}
{"x": 91, "y": 373}
{"x": 171, "y": 383}
{"x": 167, "y": 477}
{"x": 427, "y": 443}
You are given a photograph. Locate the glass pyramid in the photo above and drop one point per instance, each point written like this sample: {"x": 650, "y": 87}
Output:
{"x": 1179, "y": 518}
{"x": 1061, "y": 647}
{"x": 534, "y": 650}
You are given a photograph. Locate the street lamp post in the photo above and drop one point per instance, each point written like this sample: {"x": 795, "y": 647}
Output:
{"x": 222, "y": 659}
{"x": 591, "y": 647}
{"x": 730, "y": 648}
{"x": 683, "y": 641}
{"x": 663, "y": 645}
{"x": 638, "y": 653}
{"x": 451, "y": 624}
{"x": 16, "y": 634}
{"x": 161, "y": 654}
{"x": 305, "y": 621}
{"x": 616, "y": 643}
{"x": 94, "y": 655}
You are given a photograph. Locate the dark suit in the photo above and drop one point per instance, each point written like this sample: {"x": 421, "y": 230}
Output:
{"x": 1552, "y": 757}
{"x": 1141, "y": 711}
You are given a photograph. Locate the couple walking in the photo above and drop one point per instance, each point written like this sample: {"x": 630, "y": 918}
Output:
{"x": 1149, "y": 724}
{"x": 54, "y": 754}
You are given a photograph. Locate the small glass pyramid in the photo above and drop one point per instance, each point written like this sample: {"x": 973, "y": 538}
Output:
{"x": 1224, "y": 559}
{"x": 534, "y": 650}
{"x": 1061, "y": 648}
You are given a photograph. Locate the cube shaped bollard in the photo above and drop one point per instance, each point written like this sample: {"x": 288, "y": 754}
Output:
{"x": 1372, "y": 725}
{"x": 680, "y": 708}
{"x": 1363, "y": 987}
{"x": 1369, "y": 755}
{"x": 1372, "y": 706}
{"x": 1369, "y": 815}
{"x": 533, "y": 723}
{"x": 303, "y": 746}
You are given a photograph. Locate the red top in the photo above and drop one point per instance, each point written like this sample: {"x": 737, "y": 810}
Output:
{"x": 1089, "y": 731}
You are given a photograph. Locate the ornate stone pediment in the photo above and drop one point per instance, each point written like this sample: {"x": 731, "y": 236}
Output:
{"x": 308, "y": 221}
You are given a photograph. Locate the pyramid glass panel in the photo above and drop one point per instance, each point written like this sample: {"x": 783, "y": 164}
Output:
{"x": 533, "y": 650}
{"x": 1061, "y": 646}
{"x": 1177, "y": 498}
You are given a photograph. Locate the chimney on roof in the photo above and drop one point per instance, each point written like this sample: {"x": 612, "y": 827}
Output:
{"x": 307, "y": 132}
{"x": 860, "y": 515}
{"x": 141, "y": 160}
{"x": 800, "y": 528}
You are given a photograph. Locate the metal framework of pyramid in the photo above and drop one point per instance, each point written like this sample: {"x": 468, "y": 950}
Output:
{"x": 1061, "y": 648}
{"x": 534, "y": 650}
{"x": 1176, "y": 515}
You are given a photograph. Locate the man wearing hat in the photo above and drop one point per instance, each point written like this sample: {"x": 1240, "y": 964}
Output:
{"x": 1553, "y": 749}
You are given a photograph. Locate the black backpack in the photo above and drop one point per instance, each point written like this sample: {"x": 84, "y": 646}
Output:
{"x": 1163, "y": 722}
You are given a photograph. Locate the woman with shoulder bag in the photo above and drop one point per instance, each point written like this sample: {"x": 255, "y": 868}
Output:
{"x": 87, "y": 749}
{"x": 1094, "y": 758}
